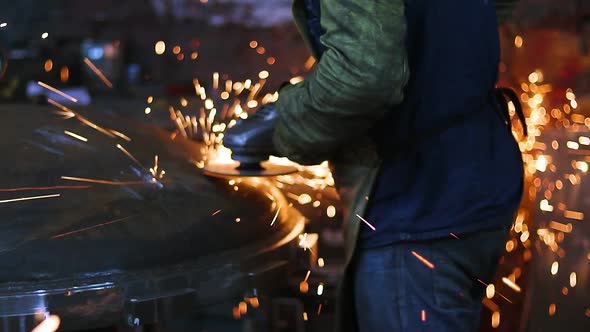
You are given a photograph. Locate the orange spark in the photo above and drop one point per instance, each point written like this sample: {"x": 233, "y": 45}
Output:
{"x": 123, "y": 136}
{"x": 215, "y": 80}
{"x": 423, "y": 315}
{"x": 128, "y": 154}
{"x": 48, "y": 66}
{"x": 366, "y": 222}
{"x": 28, "y": 198}
{"x": 61, "y": 93}
{"x": 64, "y": 74}
{"x": 573, "y": 215}
{"x": 98, "y": 73}
{"x": 66, "y": 115}
{"x": 511, "y": 284}
{"x": 423, "y": 260}
{"x": 276, "y": 215}
{"x": 50, "y": 324}
{"x": 62, "y": 107}
{"x": 455, "y": 236}
{"x": 216, "y": 212}
{"x": 76, "y": 136}
{"x": 81, "y": 118}
{"x": 90, "y": 227}
{"x": 114, "y": 183}
{"x": 309, "y": 63}
{"x": 307, "y": 275}
{"x": 502, "y": 296}
{"x": 561, "y": 227}
{"x": 42, "y": 188}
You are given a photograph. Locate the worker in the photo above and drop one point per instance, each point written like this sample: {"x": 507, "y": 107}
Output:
{"x": 403, "y": 104}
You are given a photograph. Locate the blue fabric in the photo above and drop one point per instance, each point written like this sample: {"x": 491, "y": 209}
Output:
{"x": 313, "y": 23}
{"x": 395, "y": 291}
{"x": 461, "y": 179}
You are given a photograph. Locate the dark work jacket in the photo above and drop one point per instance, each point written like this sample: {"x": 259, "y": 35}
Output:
{"x": 466, "y": 176}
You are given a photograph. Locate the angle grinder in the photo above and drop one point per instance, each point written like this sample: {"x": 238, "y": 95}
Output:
{"x": 250, "y": 141}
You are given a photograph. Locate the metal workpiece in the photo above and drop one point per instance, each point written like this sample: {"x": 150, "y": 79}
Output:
{"x": 98, "y": 230}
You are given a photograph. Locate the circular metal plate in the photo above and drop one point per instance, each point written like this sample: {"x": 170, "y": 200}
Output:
{"x": 231, "y": 169}
{"x": 186, "y": 240}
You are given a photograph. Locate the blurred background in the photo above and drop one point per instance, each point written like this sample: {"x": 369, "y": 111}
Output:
{"x": 143, "y": 57}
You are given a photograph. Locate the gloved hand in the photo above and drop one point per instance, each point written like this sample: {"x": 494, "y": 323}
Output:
{"x": 250, "y": 140}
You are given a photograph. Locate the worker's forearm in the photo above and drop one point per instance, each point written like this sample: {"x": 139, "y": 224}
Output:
{"x": 360, "y": 76}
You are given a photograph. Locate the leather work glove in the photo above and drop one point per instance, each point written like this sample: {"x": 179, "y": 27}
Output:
{"x": 251, "y": 139}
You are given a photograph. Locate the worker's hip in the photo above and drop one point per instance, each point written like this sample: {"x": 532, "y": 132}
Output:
{"x": 434, "y": 285}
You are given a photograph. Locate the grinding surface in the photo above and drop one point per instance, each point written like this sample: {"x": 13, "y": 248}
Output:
{"x": 104, "y": 228}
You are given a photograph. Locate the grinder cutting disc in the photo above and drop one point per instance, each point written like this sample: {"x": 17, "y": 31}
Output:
{"x": 265, "y": 168}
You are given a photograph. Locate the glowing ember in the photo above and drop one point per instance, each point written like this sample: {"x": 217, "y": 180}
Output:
{"x": 61, "y": 93}
{"x": 490, "y": 291}
{"x": 155, "y": 168}
{"x": 321, "y": 262}
{"x": 518, "y": 41}
{"x": 91, "y": 227}
{"x": 320, "y": 290}
{"x": 98, "y": 73}
{"x": 366, "y": 222}
{"x": 511, "y": 284}
{"x": 496, "y": 292}
{"x": 573, "y": 215}
{"x": 243, "y": 307}
{"x": 48, "y": 66}
{"x": 554, "y": 268}
{"x": 423, "y": 260}
{"x": 128, "y": 154}
{"x": 28, "y": 198}
{"x": 42, "y": 188}
{"x": 304, "y": 199}
{"x": 573, "y": 279}
{"x": 496, "y": 319}
{"x": 544, "y": 206}
{"x": 561, "y": 227}
{"x": 236, "y": 313}
{"x": 263, "y": 75}
{"x": 275, "y": 217}
{"x": 302, "y": 240}
{"x": 69, "y": 113}
{"x": 50, "y": 324}
{"x": 160, "y": 47}
{"x": 114, "y": 183}
{"x": 76, "y": 136}
{"x": 331, "y": 211}
{"x": 254, "y": 302}
{"x": 304, "y": 287}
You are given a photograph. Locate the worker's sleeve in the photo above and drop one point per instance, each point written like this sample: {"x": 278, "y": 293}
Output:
{"x": 504, "y": 9}
{"x": 360, "y": 76}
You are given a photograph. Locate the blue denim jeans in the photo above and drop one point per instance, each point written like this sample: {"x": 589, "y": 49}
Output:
{"x": 427, "y": 286}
